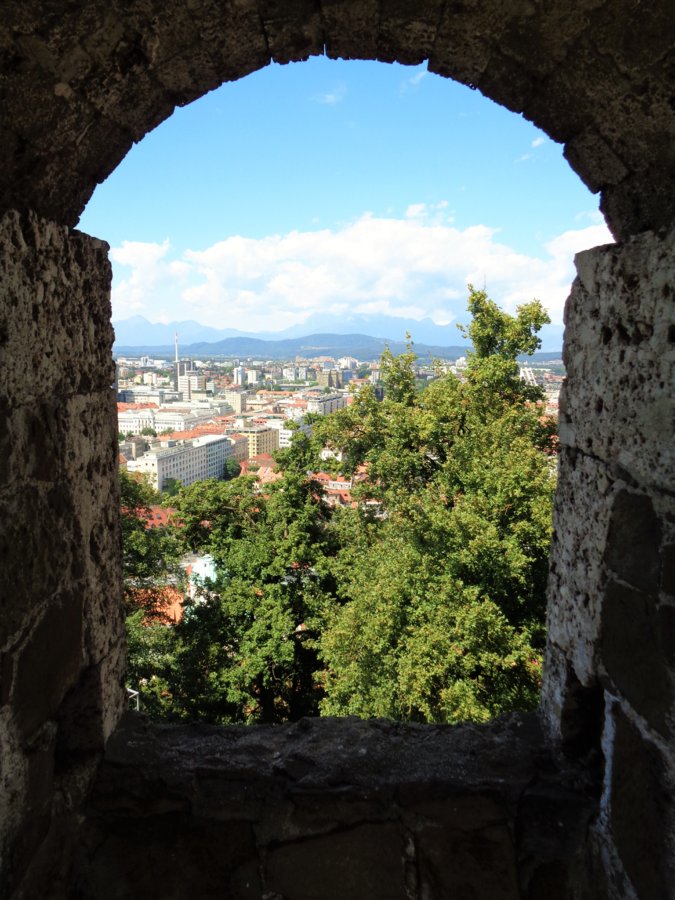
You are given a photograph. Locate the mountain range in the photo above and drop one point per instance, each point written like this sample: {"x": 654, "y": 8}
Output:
{"x": 361, "y": 336}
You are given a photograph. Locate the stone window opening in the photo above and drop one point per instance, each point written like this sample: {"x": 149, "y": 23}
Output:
{"x": 462, "y": 817}
{"x": 242, "y": 126}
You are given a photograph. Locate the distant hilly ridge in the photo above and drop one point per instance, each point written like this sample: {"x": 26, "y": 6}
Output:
{"x": 137, "y": 336}
{"x": 361, "y": 346}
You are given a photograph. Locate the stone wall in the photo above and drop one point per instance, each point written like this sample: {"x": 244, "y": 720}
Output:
{"x": 332, "y": 809}
{"x": 79, "y": 83}
{"x": 61, "y": 661}
{"x": 609, "y": 691}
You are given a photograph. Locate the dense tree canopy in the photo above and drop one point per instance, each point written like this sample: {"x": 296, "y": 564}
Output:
{"x": 424, "y": 600}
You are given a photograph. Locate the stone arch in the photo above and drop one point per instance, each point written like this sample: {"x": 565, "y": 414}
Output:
{"x": 78, "y": 86}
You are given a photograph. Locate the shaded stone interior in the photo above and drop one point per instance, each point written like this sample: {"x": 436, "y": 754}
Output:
{"x": 583, "y": 808}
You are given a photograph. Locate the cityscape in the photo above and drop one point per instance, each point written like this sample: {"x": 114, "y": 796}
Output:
{"x": 186, "y": 420}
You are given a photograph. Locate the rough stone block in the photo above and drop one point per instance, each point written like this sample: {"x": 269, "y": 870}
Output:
{"x": 618, "y": 402}
{"x": 577, "y": 569}
{"x": 55, "y": 331}
{"x": 632, "y": 655}
{"x": 293, "y": 28}
{"x": 359, "y": 863}
{"x": 634, "y": 540}
{"x": 48, "y": 664}
{"x": 170, "y": 857}
{"x": 642, "y": 810}
{"x": 465, "y": 863}
{"x": 405, "y": 38}
{"x": 351, "y": 29}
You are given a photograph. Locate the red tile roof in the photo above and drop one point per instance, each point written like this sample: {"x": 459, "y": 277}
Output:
{"x": 123, "y": 407}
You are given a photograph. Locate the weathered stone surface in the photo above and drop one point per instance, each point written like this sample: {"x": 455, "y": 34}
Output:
{"x": 578, "y": 571}
{"x": 61, "y": 628}
{"x": 632, "y": 654}
{"x": 634, "y": 541}
{"x": 170, "y": 857}
{"x": 642, "y": 810}
{"x": 55, "y": 331}
{"x": 618, "y": 403}
{"x": 331, "y": 808}
{"x": 80, "y": 84}
{"x": 360, "y": 862}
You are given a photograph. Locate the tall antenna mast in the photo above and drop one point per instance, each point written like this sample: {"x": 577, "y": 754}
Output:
{"x": 175, "y": 337}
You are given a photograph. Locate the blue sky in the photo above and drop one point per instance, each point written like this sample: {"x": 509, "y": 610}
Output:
{"x": 347, "y": 187}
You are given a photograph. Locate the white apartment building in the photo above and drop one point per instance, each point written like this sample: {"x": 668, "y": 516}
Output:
{"x": 135, "y": 420}
{"x": 186, "y": 461}
{"x": 239, "y": 375}
{"x": 347, "y": 362}
{"x": 326, "y": 403}
{"x": 286, "y": 434}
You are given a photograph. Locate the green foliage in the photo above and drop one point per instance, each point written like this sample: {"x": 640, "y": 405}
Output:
{"x": 442, "y": 601}
{"x": 495, "y": 333}
{"x": 171, "y": 487}
{"x": 150, "y": 564}
{"x": 424, "y": 601}
{"x": 232, "y": 468}
{"x": 397, "y": 374}
{"x": 147, "y": 553}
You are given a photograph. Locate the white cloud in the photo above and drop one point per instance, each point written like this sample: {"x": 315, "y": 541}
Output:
{"x": 538, "y": 141}
{"x": 336, "y": 95}
{"x": 414, "y": 81}
{"x": 148, "y": 270}
{"x": 417, "y": 267}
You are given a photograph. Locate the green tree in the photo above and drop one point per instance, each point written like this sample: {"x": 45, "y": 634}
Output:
{"x": 442, "y": 598}
{"x": 247, "y": 651}
{"x": 147, "y": 553}
{"x": 423, "y": 601}
{"x": 150, "y": 566}
{"x": 397, "y": 374}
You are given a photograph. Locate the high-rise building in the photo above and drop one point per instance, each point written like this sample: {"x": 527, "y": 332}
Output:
{"x": 190, "y": 382}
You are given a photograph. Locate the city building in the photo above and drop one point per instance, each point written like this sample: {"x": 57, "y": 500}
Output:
{"x": 185, "y": 461}
{"x": 323, "y": 404}
{"x": 236, "y": 399}
{"x": 330, "y": 378}
{"x": 189, "y": 383}
{"x": 261, "y": 439}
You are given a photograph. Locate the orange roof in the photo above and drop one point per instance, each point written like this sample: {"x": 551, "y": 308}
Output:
{"x": 159, "y": 516}
{"x": 267, "y": 475}
{"x": 163, "y": 606}
{"x": 123, "y": 407}
{"x": 213, "y": 427}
